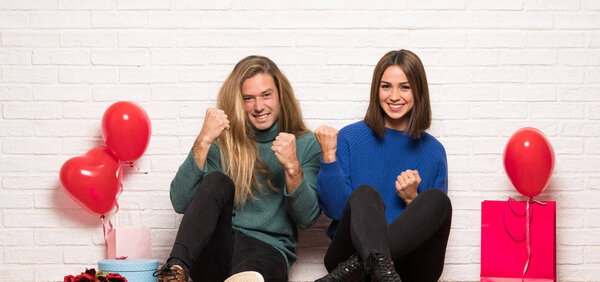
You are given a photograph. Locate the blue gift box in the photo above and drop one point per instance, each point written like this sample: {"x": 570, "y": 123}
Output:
{"x": 135, "y": 270}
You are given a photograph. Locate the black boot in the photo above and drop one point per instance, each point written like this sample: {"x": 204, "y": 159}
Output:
{"x": 349, "y": 270}
{"x": 381, "y": 268}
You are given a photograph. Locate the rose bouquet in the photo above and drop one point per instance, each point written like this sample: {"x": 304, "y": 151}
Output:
{"x": 90, "y": 275}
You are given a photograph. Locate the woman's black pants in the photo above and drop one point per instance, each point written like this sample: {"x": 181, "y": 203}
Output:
{"x": 416, "y": 240}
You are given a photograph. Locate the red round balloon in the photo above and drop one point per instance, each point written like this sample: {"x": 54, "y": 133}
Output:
{"x": 92, "y": 180}
{"x": 529, "y": 161}
{"x": 126, "y": 130}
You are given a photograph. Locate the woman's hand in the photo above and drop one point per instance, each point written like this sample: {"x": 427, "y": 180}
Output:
{"x": 407, "y": 184}
{"x": 327, "y": 138}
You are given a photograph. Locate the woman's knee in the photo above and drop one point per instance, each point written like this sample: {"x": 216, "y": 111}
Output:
{"x": 366, "y": 193}
{"x": 438, "y": 198}
{"x": 330, "y": 262}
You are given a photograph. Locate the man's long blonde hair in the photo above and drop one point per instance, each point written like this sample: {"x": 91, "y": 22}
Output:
{"x": 239, "y": 150}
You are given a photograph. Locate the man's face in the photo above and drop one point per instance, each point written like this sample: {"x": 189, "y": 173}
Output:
{"x": 261, "y": 100}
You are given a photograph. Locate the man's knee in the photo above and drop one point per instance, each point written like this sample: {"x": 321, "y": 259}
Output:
{"x": 220, "y": 177}
{"x": 220, "y": 183}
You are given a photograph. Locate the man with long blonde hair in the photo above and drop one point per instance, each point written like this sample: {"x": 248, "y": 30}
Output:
{"x": 248, "y": 182}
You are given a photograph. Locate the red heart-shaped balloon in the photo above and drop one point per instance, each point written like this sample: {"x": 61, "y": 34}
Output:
{"x": 92, "y": 180}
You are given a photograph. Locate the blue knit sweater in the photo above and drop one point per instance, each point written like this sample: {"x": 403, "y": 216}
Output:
{"x": 363, "y": 158}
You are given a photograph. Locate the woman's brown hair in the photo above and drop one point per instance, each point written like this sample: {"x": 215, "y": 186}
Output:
{"x": 419, "y": 118}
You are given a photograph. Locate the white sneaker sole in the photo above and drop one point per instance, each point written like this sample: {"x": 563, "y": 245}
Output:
{"x": 246, "y": 276}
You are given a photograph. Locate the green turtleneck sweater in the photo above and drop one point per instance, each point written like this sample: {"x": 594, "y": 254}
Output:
{"x": 273, "y": 216}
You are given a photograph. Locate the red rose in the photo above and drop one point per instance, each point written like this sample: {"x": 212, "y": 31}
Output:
{"x": 115, "y": 277}
{"x": 91, "y": 272}
{"x": 85, "y": 278}
{"x": 69, "y": 278}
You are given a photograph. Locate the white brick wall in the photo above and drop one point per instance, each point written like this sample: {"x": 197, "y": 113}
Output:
{"x": 493, "y": 66}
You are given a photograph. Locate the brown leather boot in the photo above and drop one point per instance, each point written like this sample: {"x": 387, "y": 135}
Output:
{"x": 171, "y": 273}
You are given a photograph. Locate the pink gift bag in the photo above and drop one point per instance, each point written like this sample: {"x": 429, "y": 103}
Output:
{"x": 129, "y": 242}
{"x": 130, "y": 239}
{"x": 507, "y": 253}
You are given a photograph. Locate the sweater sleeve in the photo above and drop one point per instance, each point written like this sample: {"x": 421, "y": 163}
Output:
{"x": 189, "y": 176}
{"x": 334, "y": 183}
{"x": 441, "y": 174}
{"x": 302, "y": 204}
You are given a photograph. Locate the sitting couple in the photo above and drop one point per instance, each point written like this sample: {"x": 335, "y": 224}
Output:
{"x": 256, "y": 173}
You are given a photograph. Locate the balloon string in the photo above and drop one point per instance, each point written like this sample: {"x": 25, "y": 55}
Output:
{"x": 118, "y": 194}
{"x": 527, "y": 234}
{"x": 527, "y": 225}
{"x": 120, "y": 188}
{"x": 104, "y": 230}
{"x": 130, "y": 164}
{"x": 116, "y": 205}
{"x": 119, "y": 180}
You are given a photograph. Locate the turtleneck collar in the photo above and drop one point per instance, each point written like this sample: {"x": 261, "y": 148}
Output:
{"x": 268, "y": 135}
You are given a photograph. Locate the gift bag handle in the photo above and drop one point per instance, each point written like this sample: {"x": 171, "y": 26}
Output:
{"x": 128, "y": 214}
{"x": 529, "y": 213}
{"x": 522, "y": 236}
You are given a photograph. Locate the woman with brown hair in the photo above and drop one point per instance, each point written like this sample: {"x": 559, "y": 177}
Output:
{"x": 247, "y": 183}
{"x": 383, "y": 181}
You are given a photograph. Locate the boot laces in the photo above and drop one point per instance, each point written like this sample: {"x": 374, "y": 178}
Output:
{"x": 166, "y": 273}
{"x": 381, "y": 267}
{"x": 348, "y": 270}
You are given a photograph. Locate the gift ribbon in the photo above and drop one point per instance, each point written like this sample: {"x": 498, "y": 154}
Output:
{"x": 116, "y": 204}
{"x": 102, "y": 218}
{"x": 104, "y": 229}
{"x": 134, "y": 166}
{"x": 529, "y": 215}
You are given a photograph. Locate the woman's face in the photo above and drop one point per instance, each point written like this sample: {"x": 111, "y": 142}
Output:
{"x": 395, "y": 98}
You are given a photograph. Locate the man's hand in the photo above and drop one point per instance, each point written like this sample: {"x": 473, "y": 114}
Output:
{"x": 327, "y": 138}
{"x": 407, "y": 184}
{"x": 215, "y": 122}
{"x": 284, "y": 148}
